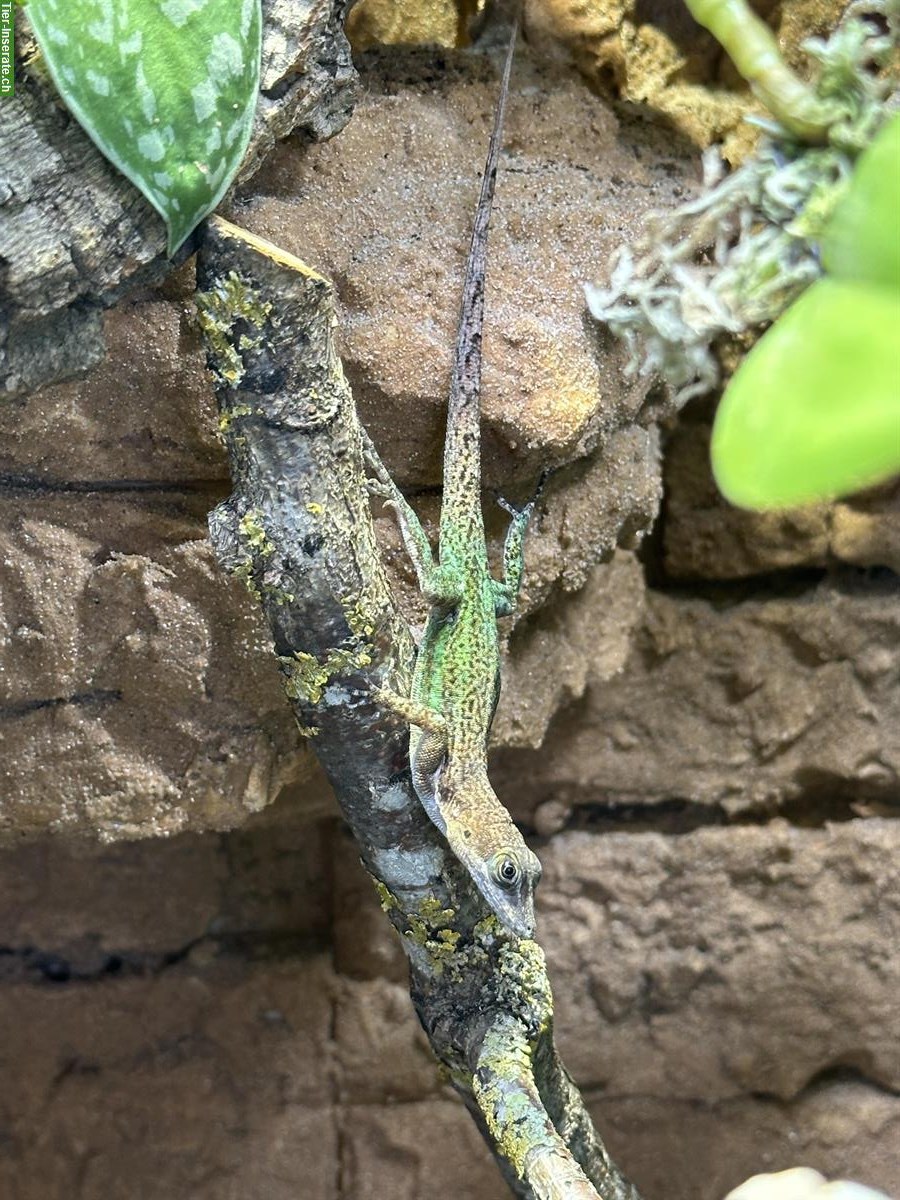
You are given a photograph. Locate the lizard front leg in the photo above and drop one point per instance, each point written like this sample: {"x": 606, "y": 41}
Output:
{"x": 413, "y": 711}
{"x": 414, "y": 537}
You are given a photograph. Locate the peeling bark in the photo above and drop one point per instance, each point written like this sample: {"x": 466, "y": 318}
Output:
{"x": 298, "y": 529}
{"x": 77, "y": 236}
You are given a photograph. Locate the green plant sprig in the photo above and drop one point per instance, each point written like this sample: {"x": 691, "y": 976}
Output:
{"x": 814, "y": 410}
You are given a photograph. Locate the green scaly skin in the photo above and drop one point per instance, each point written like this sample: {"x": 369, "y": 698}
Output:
{"x": 456, "y": 682}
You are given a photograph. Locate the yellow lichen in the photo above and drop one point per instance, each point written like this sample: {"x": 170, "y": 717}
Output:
{"x": 357, "y": 617}
{"x": 307, "y": 678}
{"x": 254, "y": 533}
{"x": 278, "y": 595}
{"x": 439, "y": 944}
{"x": 227, "y": 415}
{"x": 488, "y": 929}
{"x": 244, "y": 572}
{"x": 231, "y": 300}
{"x": 431, "y": 909}
{"x": 386, "y": 897}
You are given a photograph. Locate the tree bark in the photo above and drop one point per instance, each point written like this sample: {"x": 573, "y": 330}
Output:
{"x": 298, "y": 529}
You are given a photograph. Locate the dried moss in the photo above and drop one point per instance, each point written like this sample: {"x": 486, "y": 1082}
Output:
{"x": 735, "y": 258}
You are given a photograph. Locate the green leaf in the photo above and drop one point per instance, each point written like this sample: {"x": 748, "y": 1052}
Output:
{"x": 165, "y": 88}
{"x": 862, "y": 240}
{"x": 813, "y": 412}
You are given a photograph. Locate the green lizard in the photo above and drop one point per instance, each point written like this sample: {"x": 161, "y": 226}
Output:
{"x": 456, "y": 681}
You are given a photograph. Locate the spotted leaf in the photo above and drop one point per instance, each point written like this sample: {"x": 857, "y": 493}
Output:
{"x": 165, "y": 88}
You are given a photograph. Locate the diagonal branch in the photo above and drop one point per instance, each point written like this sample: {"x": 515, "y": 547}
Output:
{"x": 506, "y": 1092}
{"x": 297, "y": 528}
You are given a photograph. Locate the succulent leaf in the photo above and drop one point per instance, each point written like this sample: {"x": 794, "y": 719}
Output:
{"x": 813, "y": 412}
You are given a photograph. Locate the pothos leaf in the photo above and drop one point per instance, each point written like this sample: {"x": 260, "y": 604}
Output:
{"x": 813, "y": 412}
{"x": 165, "y": 88}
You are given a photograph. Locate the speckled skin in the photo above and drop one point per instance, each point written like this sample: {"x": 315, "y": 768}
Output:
{"x": 456, "y": 682}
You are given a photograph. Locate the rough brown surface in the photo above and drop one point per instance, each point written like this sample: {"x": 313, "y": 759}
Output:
{"x": 736, "y": 703}
{"x": 141, "y": 697}
{"x": 551, "y": 392}
{"x": 705, "y": 538}
{"x": 225, "y": 1014}
{"x": 144, "y": 671}
{"x": 195, "y": 1017}
{"x": 702, "y": 940}
{"x": 655, "y": 55}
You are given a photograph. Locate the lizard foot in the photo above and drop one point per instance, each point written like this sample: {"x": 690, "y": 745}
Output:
{"x": 524, "y": 512}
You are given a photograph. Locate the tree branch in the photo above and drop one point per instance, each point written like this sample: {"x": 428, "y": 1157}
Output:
{"x": 297, "y": 528}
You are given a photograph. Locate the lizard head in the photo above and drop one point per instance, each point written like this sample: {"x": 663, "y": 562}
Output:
{"x": 506, "y": 876}
{"x": 481, "y": 834}
{"x": 512, "y": 874}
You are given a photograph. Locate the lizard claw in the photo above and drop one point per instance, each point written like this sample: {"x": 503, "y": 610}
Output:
{"x": 525, "y": 510}
{"x": 377, "y": 487}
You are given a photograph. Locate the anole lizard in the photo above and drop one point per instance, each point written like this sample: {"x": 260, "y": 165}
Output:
{"x": 456, "y": 681}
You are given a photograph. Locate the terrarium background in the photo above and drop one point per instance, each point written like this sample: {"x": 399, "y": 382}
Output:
{"x": 701, "y": 733}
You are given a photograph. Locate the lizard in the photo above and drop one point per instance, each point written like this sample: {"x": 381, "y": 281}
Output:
{"x": 456, "y": 678}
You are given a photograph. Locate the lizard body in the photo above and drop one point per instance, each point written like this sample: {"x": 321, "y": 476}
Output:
{"x": 456, "y": 681}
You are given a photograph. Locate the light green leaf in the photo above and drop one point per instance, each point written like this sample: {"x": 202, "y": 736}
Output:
{"x": 813, "y": 412}
{"x": 862, "y": 240}
{"x": 165, "y": 88}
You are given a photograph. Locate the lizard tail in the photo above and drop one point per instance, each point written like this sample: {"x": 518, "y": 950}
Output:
{"x": 462, "y": 457}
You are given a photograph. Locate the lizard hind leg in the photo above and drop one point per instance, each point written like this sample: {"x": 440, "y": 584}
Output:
{"x": 506, "y": 594}
{"x": 413, "y": 711}
{"x": 414, "y": 537}
{"x": 428, "y": 747}
{"x": 428, "y": 753}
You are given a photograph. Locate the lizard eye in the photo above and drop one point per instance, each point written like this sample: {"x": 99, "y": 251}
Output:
{"x": 507, "y": 871}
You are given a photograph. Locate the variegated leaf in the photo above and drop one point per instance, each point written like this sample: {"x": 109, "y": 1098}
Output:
{"x": 165, "y": 88}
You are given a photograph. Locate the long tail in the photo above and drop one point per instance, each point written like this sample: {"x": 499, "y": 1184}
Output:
{"x": 462, "y": 446}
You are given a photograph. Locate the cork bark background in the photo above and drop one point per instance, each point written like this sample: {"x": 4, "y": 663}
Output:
{"x": 199, "y": 995}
